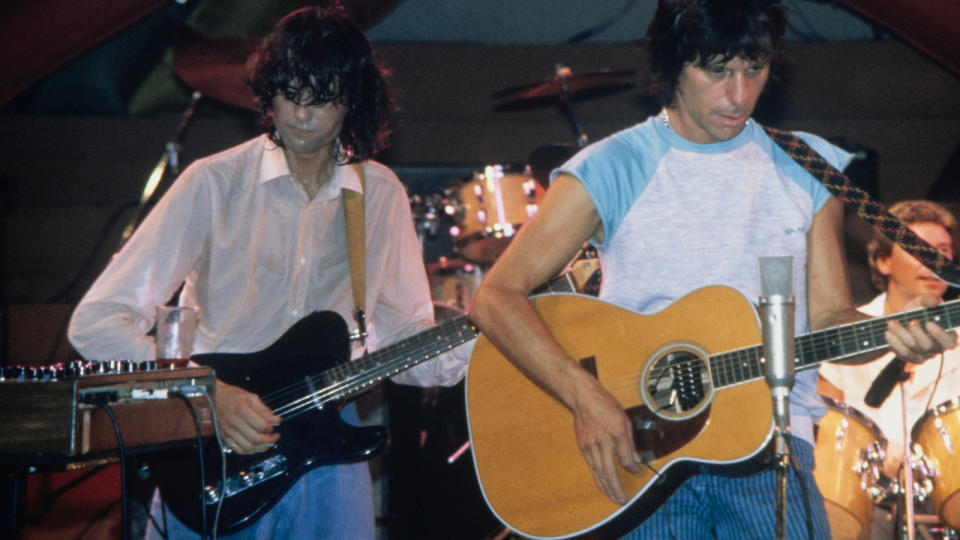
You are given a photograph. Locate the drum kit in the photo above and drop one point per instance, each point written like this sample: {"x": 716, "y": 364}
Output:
{"x": 488, "y": 208}
{"x": 849, "y": 456}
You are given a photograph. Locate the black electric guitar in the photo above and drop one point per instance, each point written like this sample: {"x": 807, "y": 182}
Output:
{"x": 303, "y": 377}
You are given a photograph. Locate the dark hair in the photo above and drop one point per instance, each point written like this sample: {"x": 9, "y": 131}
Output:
{"x": 909, "y": 212}
{"x": 686, "y": 31}
{"x": 316, "y": 56}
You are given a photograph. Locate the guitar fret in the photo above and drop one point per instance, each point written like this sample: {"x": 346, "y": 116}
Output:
{"x": 389, "y": 360}
{"x": 732, "y": 365}
{"x": 743, "y": 370}
{"x": 718, "y": 368}
{"x": 741, "y": 367}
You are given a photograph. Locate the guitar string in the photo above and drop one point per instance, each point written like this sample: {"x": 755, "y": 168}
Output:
{"x": 726, "y": 368}
{"x": 740, "y": 365}
{"x": 465, "y": 330}
{"x": 432, "y": 342}
{"x": 310, "y": 397}
{"x": 302, "y": 396}
{"x": 724, "y": 364}
{"x": 343, "y": 371}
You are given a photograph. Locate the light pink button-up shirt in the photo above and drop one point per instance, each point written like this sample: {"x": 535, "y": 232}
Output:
{"x": 256, "y": 255}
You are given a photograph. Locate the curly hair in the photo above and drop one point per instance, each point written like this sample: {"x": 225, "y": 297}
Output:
{"x": 316, "y": 56}
{"x": 687, "y": 31}
{"x": 909, "y": 212}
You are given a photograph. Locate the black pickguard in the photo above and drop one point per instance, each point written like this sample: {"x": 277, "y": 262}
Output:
{"x": 316, "y": 437}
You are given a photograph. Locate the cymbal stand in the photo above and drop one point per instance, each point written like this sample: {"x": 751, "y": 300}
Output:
{"x": 567, "y": 107}
{"x": 170, "y": 159}
{"x": 426, "y": 217}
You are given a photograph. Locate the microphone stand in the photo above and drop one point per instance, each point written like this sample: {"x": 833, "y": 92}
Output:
{"x": 171, "y": 159}
{"x": 779, "y": 352}
{"x": 907, "y": 492}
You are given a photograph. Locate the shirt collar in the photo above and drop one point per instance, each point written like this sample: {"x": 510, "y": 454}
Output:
{"x": 274, "y": 166}
{"x": 348, "y": 178}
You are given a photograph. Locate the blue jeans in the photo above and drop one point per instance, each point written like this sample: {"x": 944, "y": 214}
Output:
{"x": 712, "y": 505}
{"x": 332, "y": 502}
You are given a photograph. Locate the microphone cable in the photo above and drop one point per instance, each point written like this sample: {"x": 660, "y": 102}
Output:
{"x": 223, "y": 462}
{"x": 804, "y": 488}
{"x": 936, "y": 382}
{"x": 203, "y": 477}
{"x": 124, "y": 518}
{"x": 223, "y": 458}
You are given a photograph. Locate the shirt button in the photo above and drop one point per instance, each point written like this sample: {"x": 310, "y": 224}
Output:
{"x": 295, "y": 312}
{"x": 303, "y": 260}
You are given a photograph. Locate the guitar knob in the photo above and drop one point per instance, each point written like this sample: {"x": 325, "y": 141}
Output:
{"x": 211, "y": 494}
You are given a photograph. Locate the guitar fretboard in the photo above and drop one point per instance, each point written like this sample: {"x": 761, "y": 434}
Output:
{"x": 836, "y": 343}
{"x": 348, "y": 378}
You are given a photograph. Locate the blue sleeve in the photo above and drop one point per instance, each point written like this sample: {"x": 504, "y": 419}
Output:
{"x": 615, "y": 171}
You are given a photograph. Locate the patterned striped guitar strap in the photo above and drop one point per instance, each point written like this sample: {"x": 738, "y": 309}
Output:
{"x": 859, "y": 201}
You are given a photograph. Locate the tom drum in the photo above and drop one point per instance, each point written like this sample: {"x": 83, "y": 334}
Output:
{"x": 937, "y": 433}
{"x": 844, "y": 437}
{"x": 490, "y": 209}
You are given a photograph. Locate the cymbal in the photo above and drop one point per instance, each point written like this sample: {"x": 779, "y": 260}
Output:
{"x": 566, "y": 80}
{"x": 218, "y": 68}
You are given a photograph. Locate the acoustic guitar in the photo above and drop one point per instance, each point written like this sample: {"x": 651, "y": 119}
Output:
{"x": 690, "y": 377}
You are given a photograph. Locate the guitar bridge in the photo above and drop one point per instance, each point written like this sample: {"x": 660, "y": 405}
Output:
{"x": 246, "y": 479}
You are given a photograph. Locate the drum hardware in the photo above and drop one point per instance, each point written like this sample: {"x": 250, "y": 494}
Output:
{"x": 937, "y": 460}
{"x": 870, "y": 468}
{"x": 924, "y": 476}
{"x": 849, "y": 454}
{"x": 566, "y": 81}
{"x": 564, "y": 86}
{"x": 453, "y": 283}
{"x": 426, "y": 215}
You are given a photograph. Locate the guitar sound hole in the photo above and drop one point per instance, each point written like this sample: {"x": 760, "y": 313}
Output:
{"x": 677, "y": 384}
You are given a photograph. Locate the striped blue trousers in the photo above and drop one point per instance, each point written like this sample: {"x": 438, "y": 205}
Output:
{"x": 718, "y": 504}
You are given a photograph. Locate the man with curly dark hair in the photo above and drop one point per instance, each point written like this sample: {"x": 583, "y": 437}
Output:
{"x": 256, "y": 235}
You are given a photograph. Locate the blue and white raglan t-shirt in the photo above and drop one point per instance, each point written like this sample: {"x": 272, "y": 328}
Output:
{"x": 679, "y": 216}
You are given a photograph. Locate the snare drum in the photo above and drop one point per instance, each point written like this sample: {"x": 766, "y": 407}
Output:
{"x": 842, "y": 436}
{"x": 937, "y": 433}
{"x": 490, "y": 209}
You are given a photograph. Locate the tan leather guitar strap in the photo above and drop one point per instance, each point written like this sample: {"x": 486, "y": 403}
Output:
{"x": 356, "y": 252}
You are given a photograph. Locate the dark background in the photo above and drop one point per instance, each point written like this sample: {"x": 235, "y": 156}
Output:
{"x": 91, "y": 97}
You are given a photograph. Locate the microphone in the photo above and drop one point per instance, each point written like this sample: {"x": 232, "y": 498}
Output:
{"x": 886, "y": 380}
{"x": 776, "y": 317}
